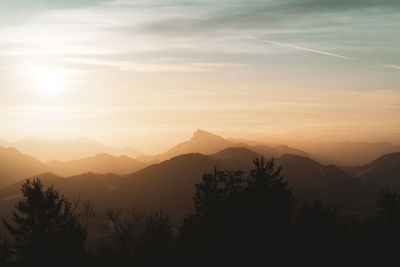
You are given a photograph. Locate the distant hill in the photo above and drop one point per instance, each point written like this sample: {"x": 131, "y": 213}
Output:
{"x": 349, "y": 153}
{"x": 274, "y": 149}
{"x": 238, "y": 154}
{"x": 46, "y": 149}
{"x": 63, "y": 149}
{"x": 88, "y": 185}
{"x": 207, "y": 143}
{"x": 15, "y": 166}
{"x": 130, "y": 152}
{"x": 312, "y": 181}
{"x": 170, "y": 185}
{"x": 382, "y": 172}
{"x": 201, "y": 142}
{"x": 97, "y": 188}
{"x": 285, "y": 149}
{"x": 101, "y": 163}
{"x": 4, "y": 143}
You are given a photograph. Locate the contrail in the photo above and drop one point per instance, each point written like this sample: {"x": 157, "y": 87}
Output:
{"x": 391, "y": 66}
{"x": 308, "y": 49}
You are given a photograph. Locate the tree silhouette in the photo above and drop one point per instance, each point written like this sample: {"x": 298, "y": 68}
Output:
{"x": 142, "y": 240}
{"x": 269, "y": 195}
{"x": 232, "y": 210}
{"x": 46, "y": 231}
{"x": 317, "y": 219}
{"x": 389, "y": 207}
{"x": 5, "y": 253}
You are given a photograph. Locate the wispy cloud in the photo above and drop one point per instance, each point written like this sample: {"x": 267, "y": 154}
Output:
{"x": 160, "y": 66}
{"x": 158, "y": 62}
{"x": 202, "y": 27}
{"x": 391, "y": 66}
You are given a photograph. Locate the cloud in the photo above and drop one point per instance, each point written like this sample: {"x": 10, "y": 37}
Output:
{"x": 391, "y": 66}
{"x": 203, "y": 34}
{"x": 161, "y": 66}
{"x": 34, "y": 5}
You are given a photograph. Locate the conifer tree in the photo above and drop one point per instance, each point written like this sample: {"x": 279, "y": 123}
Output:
{"x": 47, "y": 232}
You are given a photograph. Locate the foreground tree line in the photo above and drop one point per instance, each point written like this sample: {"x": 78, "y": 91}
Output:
{"x": 239, "y": 218}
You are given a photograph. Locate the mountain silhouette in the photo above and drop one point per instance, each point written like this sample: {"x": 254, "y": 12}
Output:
{"x": 349, "y": 153}
{"x": 208, "y": 143}
{"x": 130, "y": 152}
{"x": 201, "y": 142}
{"x": 15, "y": 166}
{"x": 312, "y": 181}
{"x": 46, "y": 149}
{"x": 97, "y": 188}
{"x": 169, "y": 185}
{"x": 285, "y": 149}
{"x": 382, "y": 172}
{"x": 101, "y": 163}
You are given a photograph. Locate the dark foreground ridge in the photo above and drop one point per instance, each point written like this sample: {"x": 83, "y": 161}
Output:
{"x": 251, "y": 218}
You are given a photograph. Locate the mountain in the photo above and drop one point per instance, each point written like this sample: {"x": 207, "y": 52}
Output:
{"x": 207, "y": 143}
{"x": 60, "y": 149}
{"x": 237, "y": 154}
{"x": 15, "y": 166}
{"x": 264, "y": 150}
{"x": 88, "y": 185}
{"x": 201, "y": 142}
{"x": 96, "y": 188}
{"x": 312, "y": 181}
{"x": 382, "y": 172}
{"x": 4, "y": 143}
{"x": 274, "y": 150}
{"x": 285, "y": 149}
{"x": 170, "y": 185}
{"x": 101, "y": 163}
{"x": 349, "y": 153}
{"x": 130, "y": 152}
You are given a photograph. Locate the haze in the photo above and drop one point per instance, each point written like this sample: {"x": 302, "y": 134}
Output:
{"x": 149, "y": 73}
{"x": 199, "y": 132}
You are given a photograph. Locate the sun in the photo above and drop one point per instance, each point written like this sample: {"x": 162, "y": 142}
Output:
{"x": 48, "y": 81}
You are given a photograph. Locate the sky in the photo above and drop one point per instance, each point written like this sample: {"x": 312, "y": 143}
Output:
{"x": 149, "y": 73}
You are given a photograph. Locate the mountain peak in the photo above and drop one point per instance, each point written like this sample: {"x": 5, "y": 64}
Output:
{"x": 203, "y": 135}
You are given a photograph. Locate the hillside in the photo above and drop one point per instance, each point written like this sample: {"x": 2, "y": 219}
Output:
{"x": 349, "y": 153}
{"x": 170, "y": 185}
{"x": 101, "y": 163}
{"x": 207, "y": 143}
{"x": 201, "y": 142}
{"x": 382, "y": 172}
{"x": 312, "y": 181}
{"x": 15, "y": 166}
{"x": 46, "y": 149}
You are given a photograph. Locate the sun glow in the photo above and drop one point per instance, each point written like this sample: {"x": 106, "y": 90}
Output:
{"x": 49, "y": 81}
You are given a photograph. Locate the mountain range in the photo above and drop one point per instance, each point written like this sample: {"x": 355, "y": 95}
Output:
{"x": 123, "y": 183}
{"x": 349, "y": 153}
{"x": 382, "y": 172}
{"x": 207, "y": 143}
{"x": 47, "y": 149}
{"x": 16, "y": 166}
{"x": 101, "y": 163}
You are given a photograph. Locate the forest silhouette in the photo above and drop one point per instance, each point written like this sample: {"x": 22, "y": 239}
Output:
{"x": 250, "y": 218}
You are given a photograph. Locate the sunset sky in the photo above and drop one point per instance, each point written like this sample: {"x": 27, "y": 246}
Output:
{"x": 150, "y": 72}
